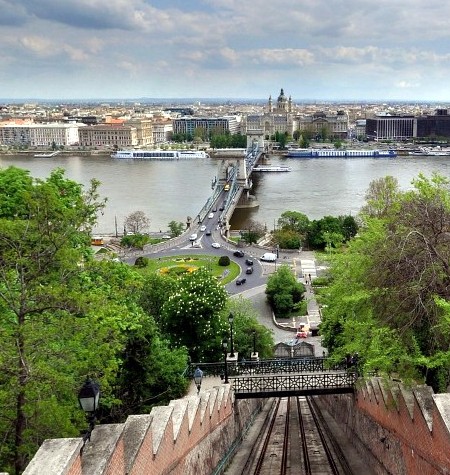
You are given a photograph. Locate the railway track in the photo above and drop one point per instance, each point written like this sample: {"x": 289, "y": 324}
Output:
{"x": 296, "y": 441}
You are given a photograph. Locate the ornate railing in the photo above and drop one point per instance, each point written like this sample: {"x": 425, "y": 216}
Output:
{"x": 293, "y": 385}
{"x": 270, "y": 366}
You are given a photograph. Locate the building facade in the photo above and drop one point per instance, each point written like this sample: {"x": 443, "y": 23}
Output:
{"x": 39, "y": 135}
{"x": 278, "y": 118}
{"x": 204, "y": 126}
{"x": 105, "y": 135}
{"x": 391, "y": 128}
{"x": 334, "y": 126}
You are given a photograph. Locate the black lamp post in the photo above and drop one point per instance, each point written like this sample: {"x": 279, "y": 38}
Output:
{"x": 224, "y": 345}
{"x": 88, "y": 398}
{"x": 230, "y": 321}
{"x": 198, "y": 375}
{"x": 254, "y": 342}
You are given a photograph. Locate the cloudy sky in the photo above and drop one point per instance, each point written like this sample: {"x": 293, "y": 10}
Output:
{"x": 314, "y": 49}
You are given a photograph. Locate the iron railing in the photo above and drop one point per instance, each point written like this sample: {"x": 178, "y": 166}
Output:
{"x": 269, "y": 366}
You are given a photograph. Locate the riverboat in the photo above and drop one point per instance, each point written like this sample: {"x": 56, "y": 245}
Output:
{"x": 335, "y": 153}
{"x": 263, "y": 168}
{"x": 159, "y": 154}
{"x": 46, "y": 155}
{"x": 430, "y": 152}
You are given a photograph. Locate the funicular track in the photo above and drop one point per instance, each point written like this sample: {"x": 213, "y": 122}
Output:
{"x": 296, "y": 441}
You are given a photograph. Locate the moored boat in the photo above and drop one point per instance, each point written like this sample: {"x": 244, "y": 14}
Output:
{"x": 267, "y": 168}
{"x": 335, "y": 153}
{"x": 159, "y": 154}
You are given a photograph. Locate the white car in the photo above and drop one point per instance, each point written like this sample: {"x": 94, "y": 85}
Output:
{"x": 215, "y": 245}
{"x": 202, "y": 228}
{"x": 211, "y": 215}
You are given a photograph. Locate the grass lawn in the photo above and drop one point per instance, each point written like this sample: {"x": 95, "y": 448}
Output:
{"x": 177, "y": 265}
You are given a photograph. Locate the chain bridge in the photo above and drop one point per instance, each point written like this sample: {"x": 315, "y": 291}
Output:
{"x": 281, "y": 377}
{"x": 232, "y": 185}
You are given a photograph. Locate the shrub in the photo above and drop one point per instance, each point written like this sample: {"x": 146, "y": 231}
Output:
{"x": 141, "y": 261}
{"x": 224, "y": 261}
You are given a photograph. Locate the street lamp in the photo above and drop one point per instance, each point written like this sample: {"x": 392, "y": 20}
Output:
{"x": 224, "y": 346}
{"x": 198, "y": 375}
{"x": 88, "y": 398}
{"x": 230, "y": 321}
{"x": 254, "y": 342}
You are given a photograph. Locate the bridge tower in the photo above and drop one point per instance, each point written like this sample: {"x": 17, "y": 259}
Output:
{"x": 255, "y": 136}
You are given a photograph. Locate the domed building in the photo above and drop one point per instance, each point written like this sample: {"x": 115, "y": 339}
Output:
{"x": 277, "y": 118}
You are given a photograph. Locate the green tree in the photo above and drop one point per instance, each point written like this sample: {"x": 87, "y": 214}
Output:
{"x": 176, "y": 228}
{"x": 283, "y": 291}
{"x": 42, "y": 245}
{"x": 294, "y": 221}
{"x": 192, "y": 316}
{"x": 389, "y": 287}
{"x": 245, "y": 323}
{"x": 156, "y": 290}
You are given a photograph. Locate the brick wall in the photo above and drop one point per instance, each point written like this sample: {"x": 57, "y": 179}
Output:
{"x": 192, "y": 435}
{"x": 397, "y": 430}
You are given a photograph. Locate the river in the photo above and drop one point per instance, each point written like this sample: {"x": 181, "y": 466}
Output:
{"x": 173, "y": 190}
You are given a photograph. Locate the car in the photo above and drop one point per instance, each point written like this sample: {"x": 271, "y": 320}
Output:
{"x": 222, "y": 207}
{"x": 202, "y": 228}
{"x": 214, "y": 210}
{"x": 238, "y": 254}
{"x": 196, "y": 244}
{"x": 193, "y": 237}
{"x": 211, "y": 215}
{"x": 249, "y": 262}
{"x": 249, "y": 270}
{"x": 215, "y": 245}
{"x": 241, "y": 281}
{"x": 208, "y": 232}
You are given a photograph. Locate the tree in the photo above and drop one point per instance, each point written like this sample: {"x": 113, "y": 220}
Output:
{"x": 44, "y": 237}
{"x": 176, "y": 228}
{"x": 245, "y": 323}
{"x": 294, "y": 221}
{"x": 136, "y": 222}
{"x": 192, "y": 316}
{"x": 283, "y": 291}
{"x": 253, "y": 231}
{"x": 380, "y": 197}
{"x": 156, "y": 290}
{"x": 389, "y": 287}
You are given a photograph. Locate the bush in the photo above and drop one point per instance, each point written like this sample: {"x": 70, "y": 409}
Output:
{"x": 224, "y": 261}
{"x": 141, "y": 261}
{"x": 322, "y": 281}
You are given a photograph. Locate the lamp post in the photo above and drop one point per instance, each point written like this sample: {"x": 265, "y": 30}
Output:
{"x": 198, "y": 375}
{"x": 254, "y": 342}
{"x": 230, "y": 321}
{"x": 224, "y": 345}
{"x": 88, "y": 398}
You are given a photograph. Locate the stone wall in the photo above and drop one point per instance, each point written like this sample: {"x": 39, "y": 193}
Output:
{"x": 191, "y": 435}
{"x": 398, "y": 430}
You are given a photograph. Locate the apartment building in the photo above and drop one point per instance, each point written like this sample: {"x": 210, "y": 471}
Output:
{"x": 206, "y": 125}
{"x": 162, "y": 130}
{"x": 38, "y": 135}
{"x": 108, "y": 135}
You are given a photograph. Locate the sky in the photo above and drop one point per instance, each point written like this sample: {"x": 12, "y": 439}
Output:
{"x": 388, "y": 50}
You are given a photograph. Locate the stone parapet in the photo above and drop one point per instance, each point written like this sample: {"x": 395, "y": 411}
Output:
{"x": 190, "y": 435}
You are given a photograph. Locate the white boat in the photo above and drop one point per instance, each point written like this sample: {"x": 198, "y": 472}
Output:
{"x": 263, "y": 168}
{"x": 336, "y": 153}
{"x": 431, "y": 152}
{"x": 46, "y": 155}
{"x": 159, "y": 154}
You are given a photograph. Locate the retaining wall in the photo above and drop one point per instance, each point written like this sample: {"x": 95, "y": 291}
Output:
{"x": 398, "y": 430}
{"x": 193, "y": 435}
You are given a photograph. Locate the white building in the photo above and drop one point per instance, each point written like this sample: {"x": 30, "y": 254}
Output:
{"x": 39, "y": 135}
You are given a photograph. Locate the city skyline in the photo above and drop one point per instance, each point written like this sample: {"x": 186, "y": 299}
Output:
{"x": 126, "y": 49}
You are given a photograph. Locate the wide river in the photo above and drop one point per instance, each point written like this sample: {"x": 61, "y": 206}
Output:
{"x": 173, "y": 190}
